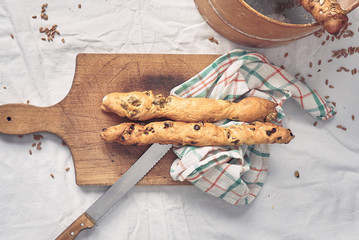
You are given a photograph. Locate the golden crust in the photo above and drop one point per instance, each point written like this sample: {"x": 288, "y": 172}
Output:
{"x": 327, "y": 13}
{"x": 143, "y": 106}
{"x": 196, "y": 134}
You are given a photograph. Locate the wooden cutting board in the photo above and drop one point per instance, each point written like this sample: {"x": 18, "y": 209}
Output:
{"x": 78, "y": 119}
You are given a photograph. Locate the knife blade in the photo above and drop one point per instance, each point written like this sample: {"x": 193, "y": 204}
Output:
{"x": 98, "y": 209}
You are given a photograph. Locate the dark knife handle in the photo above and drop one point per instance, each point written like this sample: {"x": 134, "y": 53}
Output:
{"x": 81, "y": 223}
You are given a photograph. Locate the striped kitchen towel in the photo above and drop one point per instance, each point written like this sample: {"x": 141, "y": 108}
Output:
{"x": 236, "y": 174}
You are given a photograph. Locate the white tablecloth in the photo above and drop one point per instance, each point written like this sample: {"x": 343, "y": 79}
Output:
{"x": 321, "y": 204}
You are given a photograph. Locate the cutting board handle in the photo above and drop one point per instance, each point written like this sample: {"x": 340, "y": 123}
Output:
{"x": 24, "y": 119}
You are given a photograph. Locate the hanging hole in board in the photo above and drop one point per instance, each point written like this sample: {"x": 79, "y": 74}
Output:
{"x": 8, "y": 118}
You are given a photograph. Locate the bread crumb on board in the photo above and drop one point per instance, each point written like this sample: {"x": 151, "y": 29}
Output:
{"x": 296, "y": 174}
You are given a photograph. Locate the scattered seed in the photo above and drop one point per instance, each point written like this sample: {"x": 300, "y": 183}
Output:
{"x": 43, "y": 39}
{"x": 63, "y": 40}
{"x": 353, "y": 117}
{"x": 286, "y": 55}
{"x": 330, "y": 60}
{"x": 52, "y": 175}
{"x": 33, "y": 145}
{"x": 341, "y": 127}
{"x": 315, "y": 124}
{"x": 296, "y": 174}
{"x": 212, "y": 39}
{"x": 30, "y": 152}
{"x": 44, "y": 16}
{"x": 354, "y": 71}
{"x": 38, "y": 148}
{"x": 27, "y": 101}
{"x": 53, "y": 27}
{"x": 4, "y": 87}
{"x": 34, "y": 16}
{"x": 12, "y": 36}
{"x": 282, "y": 67}
{"x": 43, "y": 10}
{"x": 310, "y": 75}
{"x": 297, "y": 75}
{"x": 67, "y": 169}
{"x": 310, "y": 64}
{"x": 323, "y": 43}
{"x": 326, "y": 97}
{"x": 326, "y": 81}
{"x": 319, "y": 62}
{"x": 331, "y": 86}
{"x": 334, "y": 103}
{"x": 79, "y": 5}
{"x": 38, "y": 137}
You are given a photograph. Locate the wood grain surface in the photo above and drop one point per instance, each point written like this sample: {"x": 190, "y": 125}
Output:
{"x": 78, "y": 119}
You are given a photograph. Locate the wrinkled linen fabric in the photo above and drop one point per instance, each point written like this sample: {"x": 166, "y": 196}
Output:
{"x": 237, "y": 174}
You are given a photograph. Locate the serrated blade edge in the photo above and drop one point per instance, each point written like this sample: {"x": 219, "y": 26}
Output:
{"x": 136, "y": 172}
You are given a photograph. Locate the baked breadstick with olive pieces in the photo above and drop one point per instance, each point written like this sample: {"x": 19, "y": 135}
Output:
{"x": 327, "y": 13}
{"x": 196, "y": 134}
{"x": 143, "y": 106}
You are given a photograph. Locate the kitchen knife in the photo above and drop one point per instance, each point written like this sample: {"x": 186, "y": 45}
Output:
{"x": 97, "y": 210}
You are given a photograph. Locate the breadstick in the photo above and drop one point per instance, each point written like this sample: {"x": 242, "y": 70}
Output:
{"x": 196, "y": 134}
{"x": 327, "y": 13}
{"x": 143, "y": 106}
